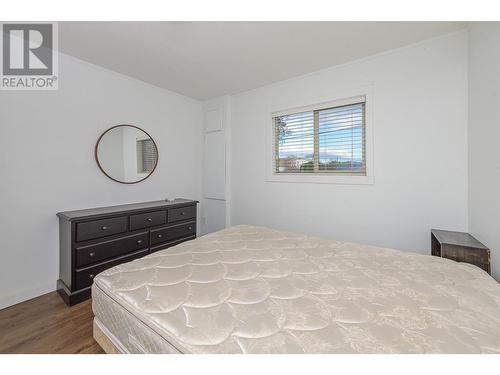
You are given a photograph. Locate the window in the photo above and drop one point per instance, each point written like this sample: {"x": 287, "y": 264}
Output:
{"x": 329, "y": 139}
{"x": 146, "y": 155}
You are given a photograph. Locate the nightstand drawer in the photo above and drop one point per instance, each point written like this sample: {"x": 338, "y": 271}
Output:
{"x": 100, "y": 228}
{"x": 94, "y": 253}
{"x": 173, "y": 232}
{"x": 147, "y": 220}
{"x": 477, "y": 257}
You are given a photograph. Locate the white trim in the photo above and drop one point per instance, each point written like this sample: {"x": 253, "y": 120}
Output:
{"x": 26, "y": 294}
{"x": 325, "y": 105}
{"x": 315, "y": 178}
{"x": 227, "y": 129}
{"x": 347, "y": 96}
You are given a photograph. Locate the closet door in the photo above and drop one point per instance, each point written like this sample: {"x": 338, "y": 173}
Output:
{"x": 214, "y": 205}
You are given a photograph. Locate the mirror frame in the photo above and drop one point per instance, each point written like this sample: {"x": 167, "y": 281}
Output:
{"x": 114, "y": 179}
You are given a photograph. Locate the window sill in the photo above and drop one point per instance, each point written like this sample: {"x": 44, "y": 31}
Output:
{"x": 321, "y": 179}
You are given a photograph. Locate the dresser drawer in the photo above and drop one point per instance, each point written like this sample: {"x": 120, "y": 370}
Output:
{"x": 104, "y": 250}
{"x": 100, "y": 228}
{"x": 149, "y": 219}
{"x": 173, "y": 232}
{"x": 166, "y": 245}
{"x": 182, "y": 213}
{"x": 85, "y": 276}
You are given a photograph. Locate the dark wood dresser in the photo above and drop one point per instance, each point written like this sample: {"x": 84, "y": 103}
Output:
{"x": 93, "y": 240}
{"x": 461, "y": 247}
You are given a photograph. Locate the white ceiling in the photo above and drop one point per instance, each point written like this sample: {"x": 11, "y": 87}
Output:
{"x": 203, "y": 60}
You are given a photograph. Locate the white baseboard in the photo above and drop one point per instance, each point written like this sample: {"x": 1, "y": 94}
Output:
{"x": 26, "y": 294}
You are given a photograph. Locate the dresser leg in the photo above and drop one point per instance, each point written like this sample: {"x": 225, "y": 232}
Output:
{"x": 72, "y": 298}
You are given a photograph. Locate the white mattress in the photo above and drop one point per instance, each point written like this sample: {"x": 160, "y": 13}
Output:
{"x": 250, "y": 289}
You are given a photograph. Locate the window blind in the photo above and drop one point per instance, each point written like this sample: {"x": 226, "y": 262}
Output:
{"x": 324, "y": 140}
{"x": 294, "y": 141}
{"x": 146, "y": 155}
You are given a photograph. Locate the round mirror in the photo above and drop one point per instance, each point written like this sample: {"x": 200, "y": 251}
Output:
{"x": 126, "y": 154}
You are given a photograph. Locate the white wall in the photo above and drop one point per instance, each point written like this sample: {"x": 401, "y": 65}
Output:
{"x": 47, "y": 163}
{"x": 484, "y": 137}
{"x": 420, "y": 151}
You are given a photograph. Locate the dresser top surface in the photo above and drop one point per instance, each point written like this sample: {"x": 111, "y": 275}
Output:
{"x": 126, "y": 208}
{"x": 457, "y": 238}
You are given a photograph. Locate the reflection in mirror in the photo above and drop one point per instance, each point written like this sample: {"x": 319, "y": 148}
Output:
{"x": 126, "y": 154}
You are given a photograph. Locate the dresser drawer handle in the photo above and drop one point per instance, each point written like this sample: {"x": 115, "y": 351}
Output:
{"x": 183, "y": 213}
{"x": 91, "y": 254}
{"x": 160, "y": 236}
{"x": 104, "y": 228}
{"x": 190, "y": 228}
{"x": 149, "y": 219}
{"x": 139, "y": 241}
{"x": 91, "y": 276}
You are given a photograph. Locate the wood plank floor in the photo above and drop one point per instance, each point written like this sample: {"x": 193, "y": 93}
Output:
{"x": 46, "y": 325}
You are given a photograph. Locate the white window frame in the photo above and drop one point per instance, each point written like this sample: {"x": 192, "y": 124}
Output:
{"x": 347, "y": 97}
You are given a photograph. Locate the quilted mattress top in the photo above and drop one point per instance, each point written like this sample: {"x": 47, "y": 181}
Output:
{"x": 250, "y": 289}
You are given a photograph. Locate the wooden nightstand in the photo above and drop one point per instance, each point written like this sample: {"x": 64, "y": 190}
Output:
{"x": 461, "y": 247}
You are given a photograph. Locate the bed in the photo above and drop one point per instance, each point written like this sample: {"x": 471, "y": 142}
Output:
{"x": 250, "y": 289}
